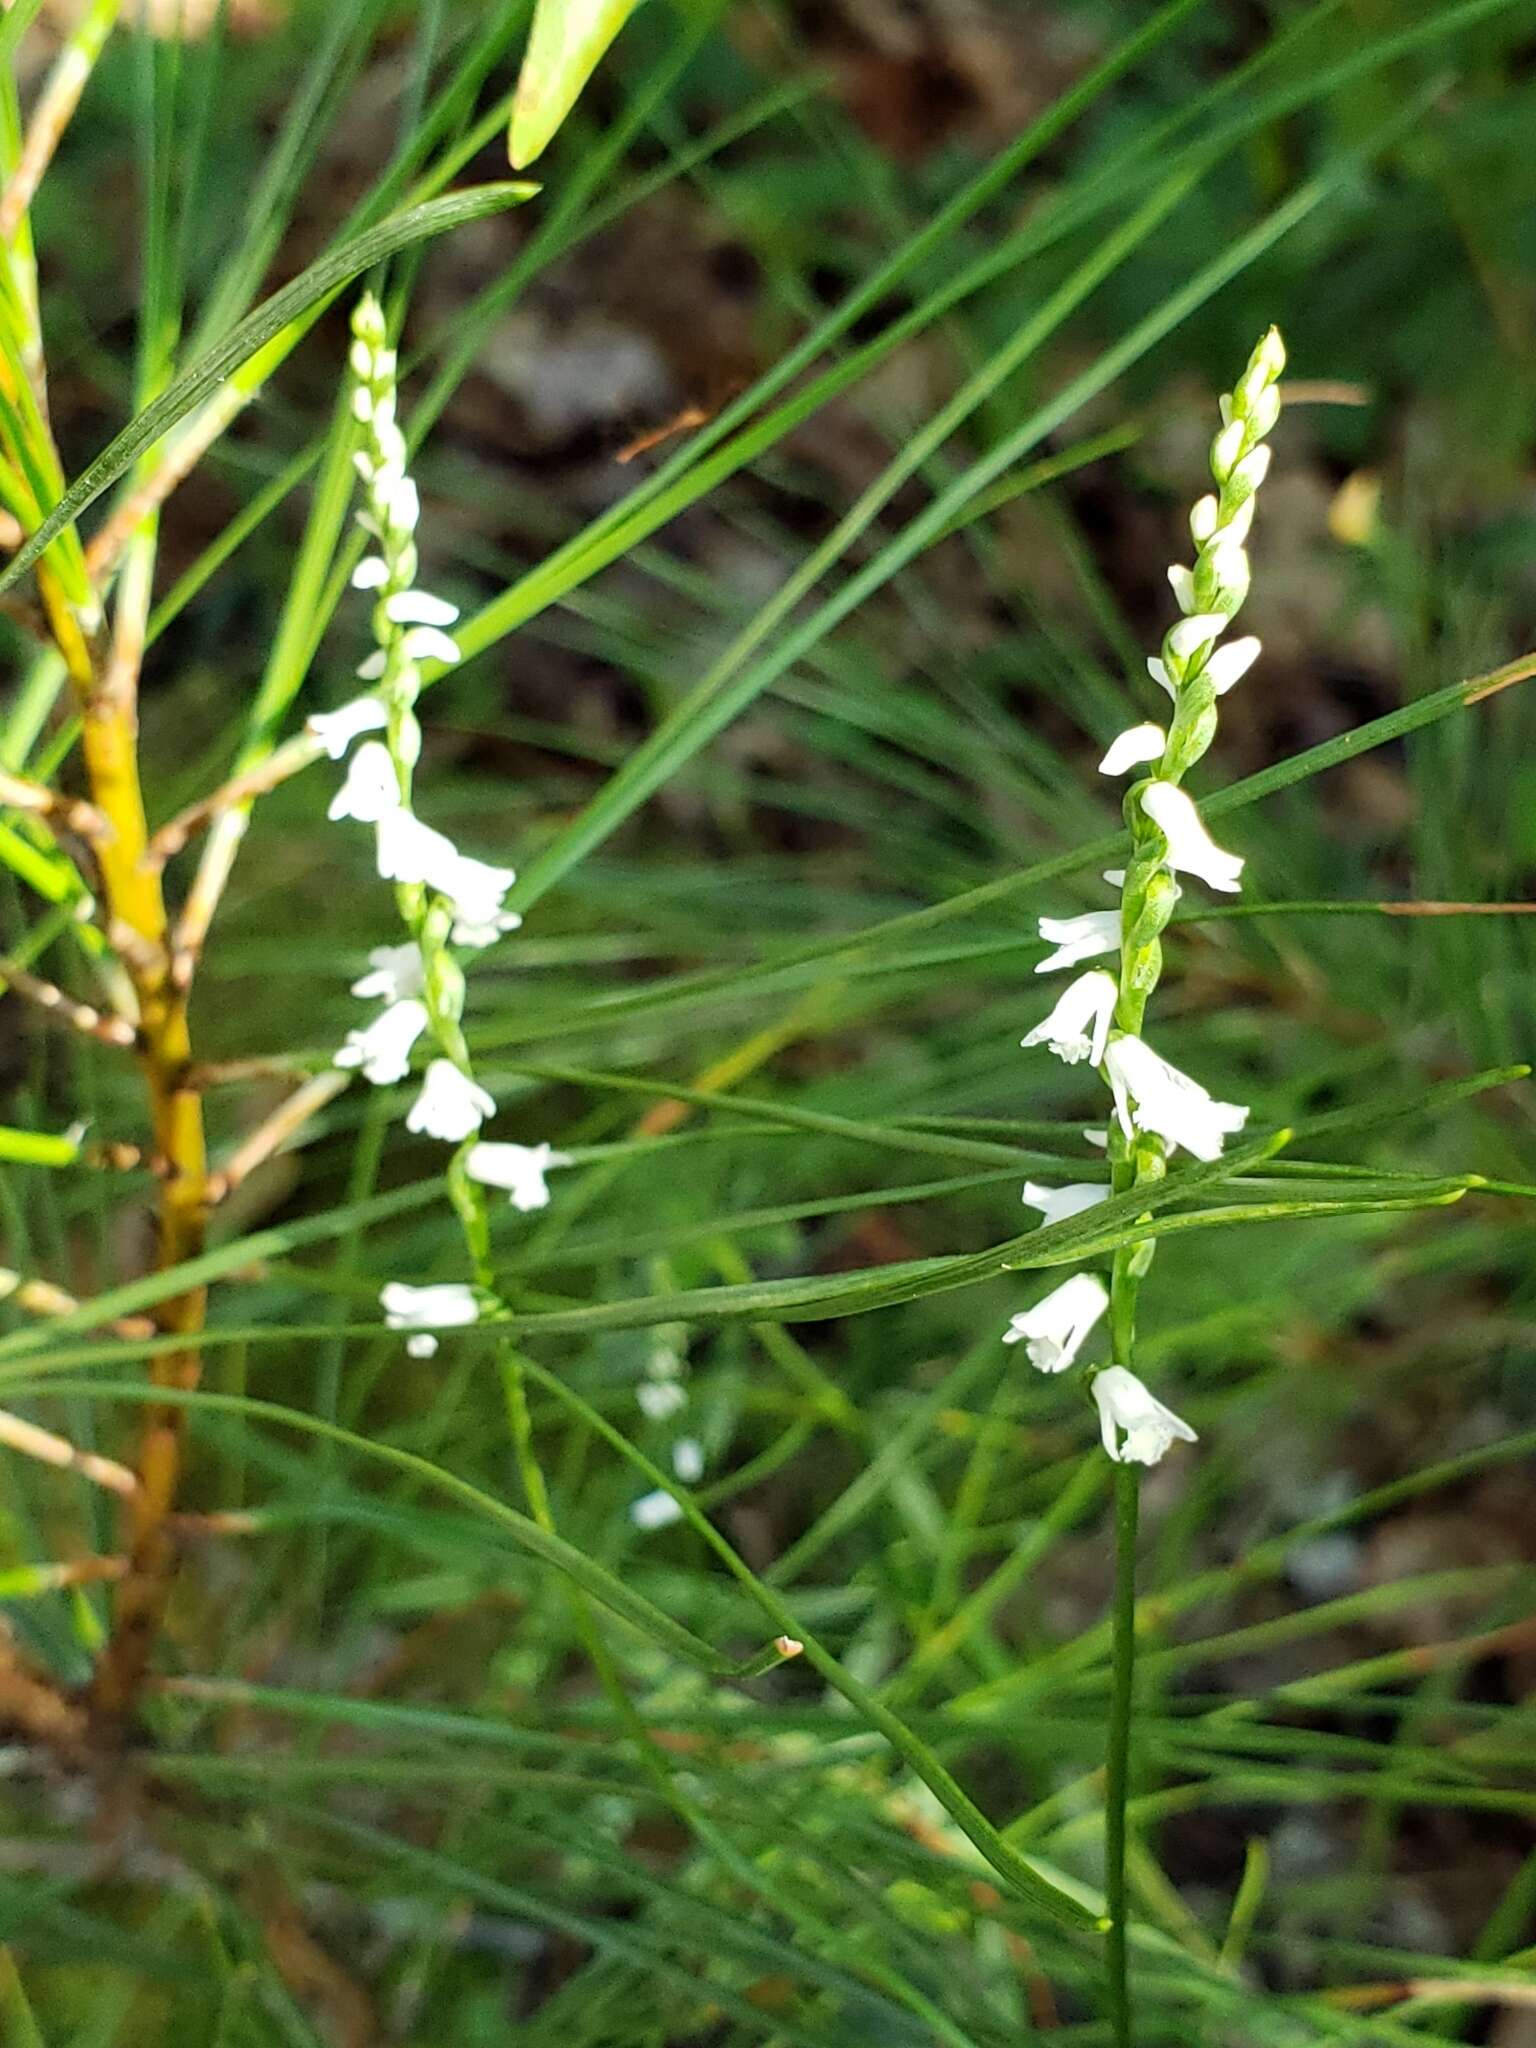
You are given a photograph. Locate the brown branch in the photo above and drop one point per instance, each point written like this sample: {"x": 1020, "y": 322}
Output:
{"x": 197, "y": 913}
{"x": 34, "y": 1706}
{"x": 287, "y": 761}
{"x": 76, "y": 816}
{"x": 288, "y": 1118}
{"x": 17, "y": 1434}
{"x": 60, "y": 1008}
{"x": 42, "y": 1298}
{"x": 137, "y": 915}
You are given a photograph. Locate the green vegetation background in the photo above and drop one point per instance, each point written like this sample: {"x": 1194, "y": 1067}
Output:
{"x": 406, "y": 1787}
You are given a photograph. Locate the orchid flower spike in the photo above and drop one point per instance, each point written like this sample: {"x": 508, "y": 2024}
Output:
{"x": 1078, "y": 938}
{"x": 448, "y": 1305}
{"x": 1054, "y": 1330}
{"x": 1191, "y": 849}
{"x": 1057, "y": 1204}
{"x": 1167, "y": 1102}
{"x": 1146, "y": 1428}
{"x": 1078, "y": 1027}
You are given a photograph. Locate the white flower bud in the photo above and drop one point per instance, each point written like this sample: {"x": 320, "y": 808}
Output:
{"x": 1129, "y": 749}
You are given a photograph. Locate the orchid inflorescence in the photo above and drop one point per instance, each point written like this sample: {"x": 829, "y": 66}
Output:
{"x": 446, "y": 898}
{"x": 1099, "y": 1017}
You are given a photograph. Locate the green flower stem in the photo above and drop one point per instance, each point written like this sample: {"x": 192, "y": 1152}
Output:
{"x": 1117, "y": 1774}
{"x": 1215, "y": 588}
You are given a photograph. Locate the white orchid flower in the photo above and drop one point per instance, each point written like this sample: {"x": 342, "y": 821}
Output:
{"x": 1057, "y": 1204}
{"x": 1078, "y": 938}
{"x": 688, "y": 1460}
{"x": 450, "y": 1106}
{"x": 336, "y": 730}
{"x": 1053, "y": 1331}
{"x": 1131, "y": 748}
{"x": 383, "y": 1048}
{"x": 656, "y": 1510}
{"x": 659, "y": 1400}
{"x": 520, "y": 1169}
{"x": 394, "y": 973}
{"x": 1078, "y": 1027}
{"x": 371, "y": 790}
{"x": 419, "y": 608}
{"x": 428, "y": 643}
{"x": 448, "y": 1305}
{"x": 1167, "y": 1102}
{"x": 1146, "y": 1428}
{"x": 408, "y": 851}
{"x": 1191, "y": 849}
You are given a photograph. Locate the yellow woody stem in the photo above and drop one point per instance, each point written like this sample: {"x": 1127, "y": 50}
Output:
{"x": 138, "y": 926}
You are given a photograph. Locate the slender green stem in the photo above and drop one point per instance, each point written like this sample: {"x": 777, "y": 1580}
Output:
{"x": 1127, "y": 1503}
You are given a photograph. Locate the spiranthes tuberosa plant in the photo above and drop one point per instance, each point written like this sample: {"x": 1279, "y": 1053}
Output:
{"x": 1155, "y": 1108}
{"x": 448, "y": 901}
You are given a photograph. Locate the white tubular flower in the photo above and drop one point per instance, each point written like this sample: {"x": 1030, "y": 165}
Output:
{"x": 1131, "y": 748}
{"x": 450, "y": 1106}
{"x": 1229, "y": 664}
{"x": 427, "y": 643}
{"x": 448, "y": 1305}
{"x": 484, "y": 931}
{"x": 336, "y": 730}
{"x": 1183, "y": 585}
{"x": 371, "y": 573}
{"x": 1146, "y": 1428}
{"x": 371, "y": 791}
{"x": 688, "y": 1460}
{"x": 1078, "y": 1027}
{"x": 419, "y": 608}
{"x": 372, "y": 666}
{"x": 400, "y": 503}
{"x": 1167, "y": 1102}
{"x": 1078, "y": 938}
{"x": 1188, "y": 636}
{"x": 520, "y": 1169}
{"x": 1057, "y": 1204}
{"x": 383, "y": 1048}
{"x": 1053, "y": 1331}
{"x": 1191, "y": 849}
{"x": 659, "y": 1400}
{"x": 395, "y": 972}
{"x": 1158, "y": 671}
{"x": 409, "y": 851}
{"x": 656, "y": 1510}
